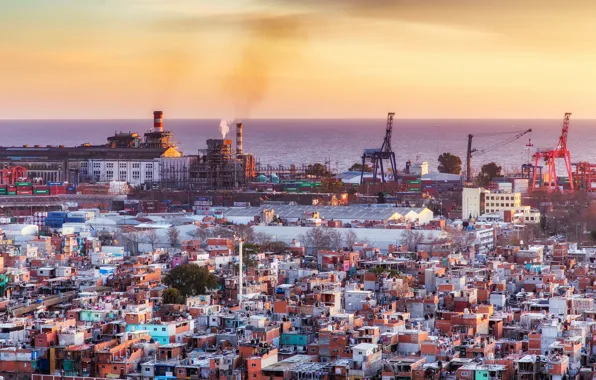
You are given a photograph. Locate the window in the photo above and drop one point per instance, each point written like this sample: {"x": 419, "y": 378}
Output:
{"x": 110, "y": 165}
{"x": 149, "y": 166}
{"x": 97, "y": 172}
{"x": 163, "y": 329}
{"x": 148, "y": 174}
{"x": 136, "y": 174}
{"x": 136, "y": 165}
{"x": 253, "y": 365}
{"x": 83, "y": 164}
{"x": 181, "y": 370}
{"x": 147, "y": 370}
{"x": 110, "y": 173}
{"x": 122, "y": 175}
{"x": 464, "y": 373}
{"x": 97, "y": 164}
{"x": 122, "y": 165}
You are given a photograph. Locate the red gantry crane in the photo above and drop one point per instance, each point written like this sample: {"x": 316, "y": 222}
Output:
{"x": 13, "y": 174}
{"x": 551, "y": 155}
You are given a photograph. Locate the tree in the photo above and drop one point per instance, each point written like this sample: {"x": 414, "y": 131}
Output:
{"x": 411, "y": 239}
{"x": 152, "y": 238}
{"x": 357, "y": 167}
{"x": 488, "y": 172}
{"x": 276, "y": 247}
{"x": 173, "y": 236}
{"x": 133, "y": 239}
{"x": 318, "y": 170}
{"x": 190, "y": 279}
{"x": 449, "y": 163}
{"x": 244, "y": 231}
{"x": 172, "y": 295}
{"x": 350, "y": 239}
{"x": 462, "y": 240}
{"x": 322, "y": 238}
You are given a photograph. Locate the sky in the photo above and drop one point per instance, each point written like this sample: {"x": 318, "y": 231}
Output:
{"x": 87, "y": 59}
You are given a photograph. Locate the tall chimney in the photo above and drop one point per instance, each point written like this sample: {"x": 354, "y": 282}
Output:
{"x": 239, "y": 140}
{"x": 158, "y": 121}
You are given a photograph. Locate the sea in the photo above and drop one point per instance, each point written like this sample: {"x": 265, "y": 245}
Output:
{"x": 339, "y": 142}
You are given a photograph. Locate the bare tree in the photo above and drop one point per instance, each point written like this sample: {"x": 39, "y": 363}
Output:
{"x": 462, "y": 240}
{"x": 152, "y": 237}
{"x": 133, "y": 238}
{"x": 350, "y": 239}
{"x": 245, "y": 232}
{"x": 411, "y": 239}
{"x": 322, "y": 238}
{"x": 261, "y": 238}
{"x": 173, "y": 236}
{"x": 335, "y": 239}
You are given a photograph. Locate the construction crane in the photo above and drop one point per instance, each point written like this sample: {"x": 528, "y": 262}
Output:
{"x": 377, "y": 156}
{"x": 550, "y": 156}
{"x": 518, "y": 135}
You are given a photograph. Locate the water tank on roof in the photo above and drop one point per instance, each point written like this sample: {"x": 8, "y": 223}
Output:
{"x": 274, "y": 178}
{"x": 262, "y": 178}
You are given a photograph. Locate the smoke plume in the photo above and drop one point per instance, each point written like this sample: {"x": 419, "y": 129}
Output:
{"x": 272, "y": 41}
{"x": 224, "y": 127}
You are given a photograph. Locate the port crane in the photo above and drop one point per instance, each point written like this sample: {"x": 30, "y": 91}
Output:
{"x": 476, "y": 152}
{"x": 377, "y": 156}
{"x": 550, "y": 156}
{"x": 13, "y": 174}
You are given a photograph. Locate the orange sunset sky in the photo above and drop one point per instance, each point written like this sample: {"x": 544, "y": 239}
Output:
{"x": 297, "y": 58}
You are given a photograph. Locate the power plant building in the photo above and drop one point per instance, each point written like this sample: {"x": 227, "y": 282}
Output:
{"x": 220, "y": 167}
{"x": 151, "y": 160}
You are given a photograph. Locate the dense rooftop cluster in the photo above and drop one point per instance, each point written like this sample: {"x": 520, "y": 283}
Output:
{"x": 346, "y": 292}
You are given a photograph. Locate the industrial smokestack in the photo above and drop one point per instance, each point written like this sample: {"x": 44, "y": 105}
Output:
{"x": 239, "y": 139}
{"x": 158, "y": 121}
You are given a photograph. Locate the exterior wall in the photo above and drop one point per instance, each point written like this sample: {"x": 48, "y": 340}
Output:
{"x": 135, "y": 172}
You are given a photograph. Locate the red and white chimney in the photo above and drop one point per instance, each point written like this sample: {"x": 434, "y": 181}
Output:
{"x": 158, "y": 121}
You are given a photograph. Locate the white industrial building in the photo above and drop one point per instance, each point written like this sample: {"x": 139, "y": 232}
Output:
{"x": 138, "y": 171}
{"x": 378, "y": 237}
{"x": 345, "y": 214}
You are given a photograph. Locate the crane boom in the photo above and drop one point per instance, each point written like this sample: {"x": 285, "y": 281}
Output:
{"x": 386, "y": 147}
{"x": 489, "y": 149}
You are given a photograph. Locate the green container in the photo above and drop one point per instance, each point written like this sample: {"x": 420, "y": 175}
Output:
{"x": 414, "y": 182}
{"x": 414, "y": 189}
{"x": 40, "y": 191}
{"x": 22, "y": 184}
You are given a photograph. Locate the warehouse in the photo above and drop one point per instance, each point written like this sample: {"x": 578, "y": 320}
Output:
{"x": 344, "y": 214}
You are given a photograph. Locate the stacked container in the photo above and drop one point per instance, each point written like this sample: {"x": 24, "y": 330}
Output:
{"x": 55, "y": 219}
{"x": 56, "y": 188}
{"x": 23, "y": 188}
{"x": 41, "y": 190}
{"x": 3, "y": 190}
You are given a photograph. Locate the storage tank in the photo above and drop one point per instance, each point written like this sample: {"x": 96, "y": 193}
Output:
{"x": 274, "y": 178}
{"x": 262, "y": 178}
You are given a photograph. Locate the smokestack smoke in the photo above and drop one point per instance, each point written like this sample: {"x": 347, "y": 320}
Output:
{"x": 224, "y": 128}
{"x": 239, "y": 148}
{"x": 158, "y": 121}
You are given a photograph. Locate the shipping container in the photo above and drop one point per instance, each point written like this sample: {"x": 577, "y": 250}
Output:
{"x": 416, "y": 181}
{"x": 55, "y": 183}
{"x": 11, "y": 193}
{"x": 414, "y": 189}
{"x": 41, "y": 192}
{"x": 22, "y": 183}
